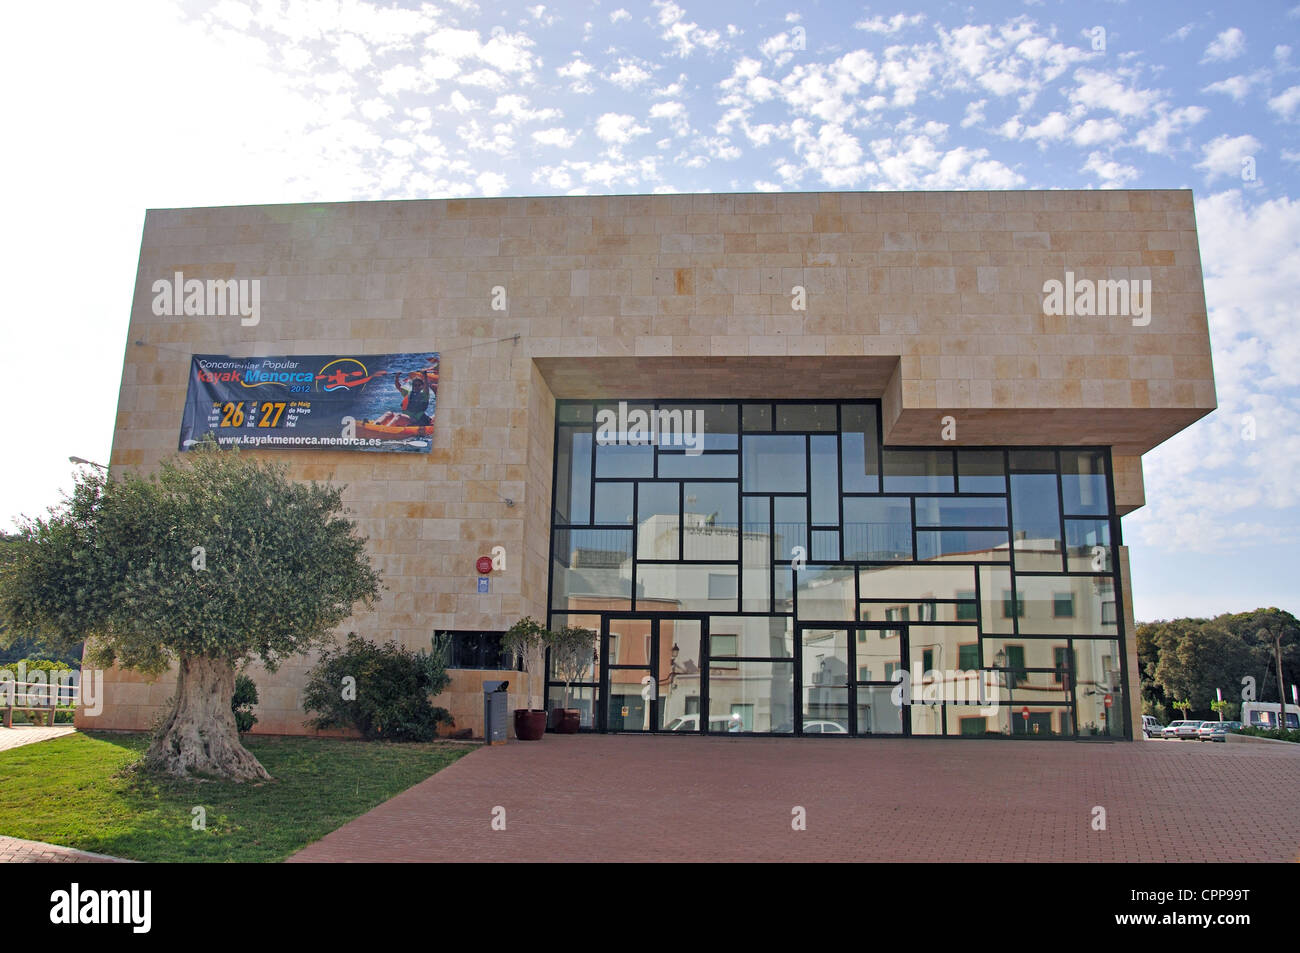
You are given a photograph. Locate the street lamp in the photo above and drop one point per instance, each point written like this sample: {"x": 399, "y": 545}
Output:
{"x": 89, "y": 463}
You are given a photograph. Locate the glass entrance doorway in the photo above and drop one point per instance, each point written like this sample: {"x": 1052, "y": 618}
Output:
{"x": 650, "y": 673}
{"x": 849, "y": 685}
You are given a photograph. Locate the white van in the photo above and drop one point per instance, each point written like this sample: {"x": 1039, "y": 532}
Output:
{"x": 1268, "y": 715}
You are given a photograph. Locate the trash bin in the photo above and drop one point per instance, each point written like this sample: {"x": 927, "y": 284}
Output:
{"x": 494, "y": 711}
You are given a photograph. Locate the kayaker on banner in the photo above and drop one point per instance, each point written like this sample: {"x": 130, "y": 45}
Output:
{"x": 416, "y": 390}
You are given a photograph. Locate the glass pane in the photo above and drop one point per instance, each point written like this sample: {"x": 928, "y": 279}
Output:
{"x": 1080, "y": 605}
{"x": 656, "y": 520}
{"x": 679, "y": 675}
{"x": 918, "y": 471}
{"x": 756, "y": 555}
{"x": 627, "y": 709}
{"x": 629, "y": 643}
{"x": 581, "y": 697}
{"x": 997, "y": 609}
{"x": 877, "y": 529}
{"x": 698, "y": 466}
{"x": 825, "y": 545}
{"x": 827, "y": 593}
{"x": 682, "y": 588}
{"x": 950, "y": 511}
{"x": 987, "y": 545}
{"x": 902, "y": 583}
{"x": 708, "y": 426}
{"x": 1036, "y": 521}
{"x": 1083, "y": 482}
{"x": 1033, "y": 460}
{"x": 860, "y": 448}
{"x": 573, "y": 476}
{"x": 759, "y": 695}
{"x": 791, "y": 526}
{"x": 825, "y": 482}
{"x": 1087, "y": 545}
{"x": 711, "y": 524}
{"x": 805, "y": 417}
{"x": 754, "y": 636}
{"x": 879, "y": 654}
{"x": 877, "y": 713}
{"x": 826, "y": 679}
{"x": 590, "y": 571}
{"x": 579, "y": 669}
{"x": 757, "y": 416}
{"x": 976, "y": 720}
{"x": 980, "y": 471}
{"x": 1099, "y": 676}
{"x": 615, "y": 460}
{"x": 580, "y": 413}
{"x": 613, "y": 503}
{"x": 775, "y": 463}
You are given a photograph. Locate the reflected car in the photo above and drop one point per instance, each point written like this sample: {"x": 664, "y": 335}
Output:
{"x": 717, "y": 723}
{"x": 1216, "y": 730}
{"x": 824, "y": 728}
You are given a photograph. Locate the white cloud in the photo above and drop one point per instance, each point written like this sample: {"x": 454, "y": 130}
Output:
{"x": 1113, "y": 174}
{"x": 1234, "y": 86}
{"x": 1054, "y": 126}
{"x": 577, "y": 70}
{"x": 516, "y": 107}
{"x": 1094, "y": 131}
{"x": 1155, "y": 137}
{"x": 1099, "y": 90}
{"x": 974, "y": 114}
{"x": 1223, "y": 154}
{"x": 491, "y": 183}
{"x": 895, "y": 23}
{"x": 619, "y": 128}
{"x": 684, "y": 36}
{"x": 619, "y": 14}
{"x": 558, "y": 137}
{"x": 628, "y": 75}
{"x": 675, "y": 113}
{"x": 1285, "y": 103}
{"x": 1228, "y": 45}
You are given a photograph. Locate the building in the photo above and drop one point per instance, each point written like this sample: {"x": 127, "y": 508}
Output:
{"x": 895, "y": 434}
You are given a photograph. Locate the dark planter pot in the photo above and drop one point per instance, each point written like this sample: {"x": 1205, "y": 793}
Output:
{"x": 530, "y": 724}
{"x": 565, "y": 721}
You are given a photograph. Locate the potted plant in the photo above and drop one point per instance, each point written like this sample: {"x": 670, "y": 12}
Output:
{"x": 571, "y": 658}
{"x": 525, "y": 640}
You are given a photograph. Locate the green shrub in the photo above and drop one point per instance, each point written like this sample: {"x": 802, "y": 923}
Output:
{"x": 1277, "y": 734}
{"x": 242, "y": 702}
{"x": 381, "y": 691}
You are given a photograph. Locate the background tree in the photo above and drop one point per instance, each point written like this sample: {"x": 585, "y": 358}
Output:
{"x": 1197, "y": 657}
{"x": 217, "y": 559}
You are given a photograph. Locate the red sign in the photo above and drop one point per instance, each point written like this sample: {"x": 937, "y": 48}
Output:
{"x": 1108, "y": 701}
{"x": 484, "y": 565}
{"x": 1024, "y": 713}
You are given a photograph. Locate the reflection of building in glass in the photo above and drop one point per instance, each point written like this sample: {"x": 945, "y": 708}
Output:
{"x": 824, "y": 568}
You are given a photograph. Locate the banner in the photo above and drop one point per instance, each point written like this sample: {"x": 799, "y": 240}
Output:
{"x": 378, "y": 402}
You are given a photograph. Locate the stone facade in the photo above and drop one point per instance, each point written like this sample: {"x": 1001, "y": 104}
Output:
{"x": 931, "y": 302}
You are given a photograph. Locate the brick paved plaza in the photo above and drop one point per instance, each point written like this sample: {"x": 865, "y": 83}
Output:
{"x": 658, "y": 798}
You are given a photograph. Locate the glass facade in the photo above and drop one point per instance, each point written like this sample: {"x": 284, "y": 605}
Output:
{"x": 771, "y": 568}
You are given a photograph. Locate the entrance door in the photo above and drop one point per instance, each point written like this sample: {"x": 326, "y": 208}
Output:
{"x": 650, "y": 673}
{"x": 850, "y": 673}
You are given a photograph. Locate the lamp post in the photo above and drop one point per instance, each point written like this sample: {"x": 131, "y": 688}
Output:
{"x": 89, "y": 463}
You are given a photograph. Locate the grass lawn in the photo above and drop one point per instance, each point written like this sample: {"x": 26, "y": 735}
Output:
{"x": 76, "y": 791}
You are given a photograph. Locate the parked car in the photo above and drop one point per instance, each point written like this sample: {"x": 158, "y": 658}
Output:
{"x": 824, "y": 728}
{"x": 1216, "y": 730}
{"x": 1171, "y": 730}
{"x": 717, "y": 723}
{"x": 1150, "y": 726}
{"x": 1186, "y": 730}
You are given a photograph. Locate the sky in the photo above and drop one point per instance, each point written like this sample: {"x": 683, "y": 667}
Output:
{"x": 111, "y": 109}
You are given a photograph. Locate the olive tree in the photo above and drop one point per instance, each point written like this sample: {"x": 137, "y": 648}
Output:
{"x": 217, "y": 559}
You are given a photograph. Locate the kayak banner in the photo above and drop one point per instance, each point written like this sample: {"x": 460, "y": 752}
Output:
{"x": 375, "y": 402}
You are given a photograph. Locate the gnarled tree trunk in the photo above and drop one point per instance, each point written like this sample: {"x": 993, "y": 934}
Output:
{"x": 200, "y": 736}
